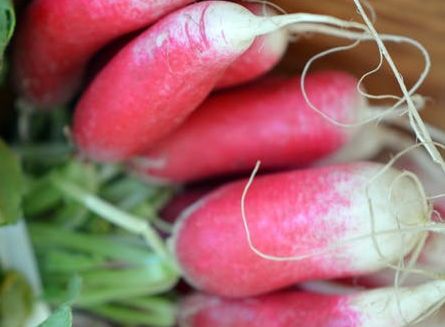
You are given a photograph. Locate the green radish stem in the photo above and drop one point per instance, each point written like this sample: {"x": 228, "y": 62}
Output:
{"x": 46, "y": 236}
{"x": 114, "y": 215}
{"x": 151, "y": 304}
{"x": 90, "y": 297}
{"x": 130, "y": 317}
{"x": 42, "y": 197}
{"x": 64, "y": 262}
{"x": 150, "y": 274}
{"x": 135, "y": 272}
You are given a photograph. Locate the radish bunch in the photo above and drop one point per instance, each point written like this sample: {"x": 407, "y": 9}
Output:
{"x": 169, "y": 104}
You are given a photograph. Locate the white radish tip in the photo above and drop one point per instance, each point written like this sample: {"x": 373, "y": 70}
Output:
{"x": 235, "y": 22}
{"x": 397, "y": 202}
{"x": 277, "y": 42}
{"x": 399, "y": 307}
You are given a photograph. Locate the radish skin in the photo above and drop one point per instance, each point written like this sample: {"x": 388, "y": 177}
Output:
{"x": 157, "y": 80}
{"x": 260, "y": 58}
{"x": 379, "y": 308}
{"x": 308, "y": 224}
{"x": 436, "y": 320}
{"x": 154, "y": 82}
{"x": 267, "y": 121}
{"x": 56, "y": 38}
{"x": 265, "y": 52}
{"x": 431, "y": 261}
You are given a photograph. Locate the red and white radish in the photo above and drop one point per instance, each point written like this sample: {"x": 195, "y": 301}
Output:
{"x": 379, "y": 308}
{"x": 268, "y": 121}
{"x": 431, "y": 261}
{"x": 265, "y": 52}
{"x": 301, "y": 225}
{"x": 152, "y": 84}
{"x": 56, "y": 38}
{"x": 430, "y": 264}
{"x": 260, "y": 58}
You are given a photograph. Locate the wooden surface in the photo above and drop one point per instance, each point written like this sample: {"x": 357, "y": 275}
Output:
{"x": 421, "y": 20}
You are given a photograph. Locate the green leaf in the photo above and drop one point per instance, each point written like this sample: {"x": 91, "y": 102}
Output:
{"x": 79, "y": 173}
{"x": 11, "y": 186}
{"x": 15, "y": 300}
{"x": 40, "y": 196}
{"x": 62, "y": 317}
{"x": 7, "y": 24}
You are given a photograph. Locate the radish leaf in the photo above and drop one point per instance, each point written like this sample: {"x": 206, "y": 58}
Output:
{"x": 11, "y": 186}
{"x": 62, "y": 317}
{"x": 7, "y": 24}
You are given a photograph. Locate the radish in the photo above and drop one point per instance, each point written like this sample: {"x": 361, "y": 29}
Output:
{"x": 56, "y": 38}
{"x": 436, "y": 320}
{"x": 265, "y": 52}
{"x": 268, "y": 121}
{"x": 430, "y": 262}
{"x": 387, "y": 307}
{"x": 261, "y": 57}
{"x": 302, "y": 225}
{"x": 153, "y": 83}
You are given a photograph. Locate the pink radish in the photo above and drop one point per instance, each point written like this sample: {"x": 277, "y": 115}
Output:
{"x": 63, "y": 35}
{"x": 260, "y": 58}
{"x": 379, "y": 308}
{"x": 268, "y": 121}
{"x": 56, "y": 38}
{"x": 265, "y": 52}
{"x": 301, "y": 225}
{"x": 163, "y": 75}
{"x": 153, "y": 83}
